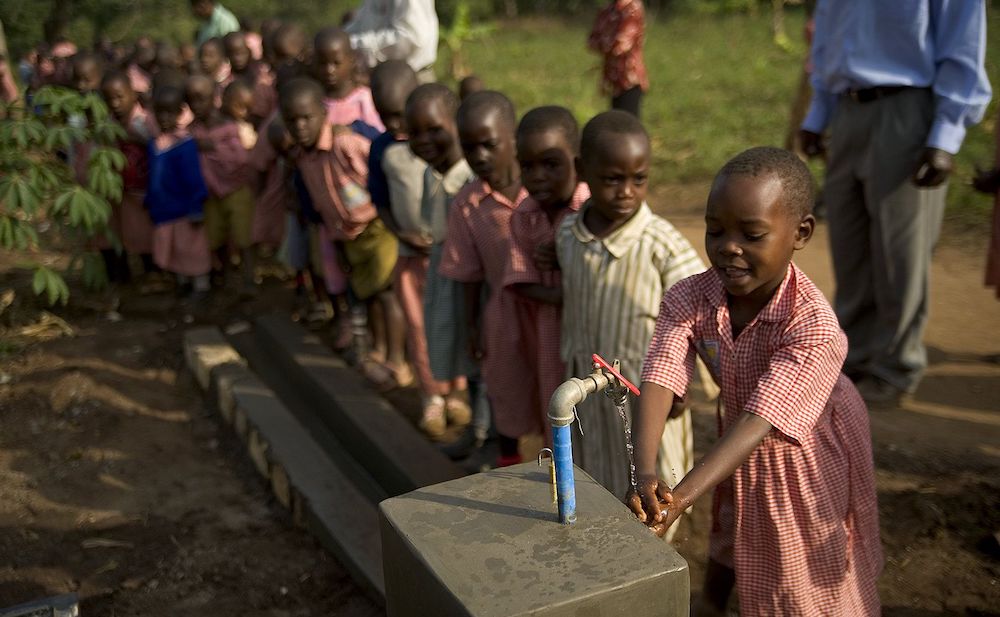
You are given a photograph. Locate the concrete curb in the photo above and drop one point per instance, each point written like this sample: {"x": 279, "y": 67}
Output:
{"x": 301, "y": 476}
{"x": 396, "y": 455}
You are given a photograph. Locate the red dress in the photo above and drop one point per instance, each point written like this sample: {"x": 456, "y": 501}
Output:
{"x": 798, "y": 520}
{"x": 617, "y": 35}
{"x": 538, "y": 324}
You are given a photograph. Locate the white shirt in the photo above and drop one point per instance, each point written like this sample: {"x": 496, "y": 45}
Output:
{"x": 396, "y": 30}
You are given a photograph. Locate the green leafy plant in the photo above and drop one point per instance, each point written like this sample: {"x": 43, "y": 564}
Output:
{"x": 462, "y": 30}
{"x": 40, "y": 190}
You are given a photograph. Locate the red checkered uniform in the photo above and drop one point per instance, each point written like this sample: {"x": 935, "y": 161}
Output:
{"x": 798, "y": 521}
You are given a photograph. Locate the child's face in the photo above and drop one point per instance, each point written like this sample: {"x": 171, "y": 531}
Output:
{"x": 433, "y": 134}
{"x": 618, "y": 176}
{"x": 238, "y": 52}
{"x": 210, "y": 57}
{"x": 333, "y": 65}
{"x": 119, "y": 97}
{"x": 86, "y": 77}
{"x": 237, "y": 104}
{"x": 488, "y": 146}
{"x": 750, "y": 235}
{"x": 546, "y": 160}
{"x": 167, "y": 114}
{"x": 200, "y": 97}
{"x": 391, "y": 107}
{"x": 304, "y": 116}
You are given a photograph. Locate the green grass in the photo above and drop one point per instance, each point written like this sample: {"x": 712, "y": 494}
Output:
{"x": 718, "y": 85}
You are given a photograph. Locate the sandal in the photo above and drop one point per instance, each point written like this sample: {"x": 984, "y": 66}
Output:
{"x": 432, "y": 421}
{"x": 457, "y": 411}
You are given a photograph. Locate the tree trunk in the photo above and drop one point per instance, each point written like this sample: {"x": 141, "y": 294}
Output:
{"x": 55, "y": 25}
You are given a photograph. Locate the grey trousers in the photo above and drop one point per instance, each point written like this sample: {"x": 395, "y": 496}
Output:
{"x": 883, "y": 229}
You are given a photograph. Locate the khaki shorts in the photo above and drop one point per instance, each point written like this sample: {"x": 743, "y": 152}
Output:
{"x": 372, "y": 257}
{"x": 230, "y": 219}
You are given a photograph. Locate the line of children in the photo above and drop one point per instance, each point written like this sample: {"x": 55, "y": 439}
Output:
{"x": 512, "y": 252}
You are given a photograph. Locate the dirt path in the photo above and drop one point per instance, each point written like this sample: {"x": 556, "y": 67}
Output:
{"x": 116, "y": 482}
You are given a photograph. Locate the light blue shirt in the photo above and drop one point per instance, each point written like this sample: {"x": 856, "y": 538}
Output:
{"x": 938, "y": 44}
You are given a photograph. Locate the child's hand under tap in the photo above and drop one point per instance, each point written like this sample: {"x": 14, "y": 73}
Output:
{"x": 653, "y": 504}
{"x": 545, "y": 256}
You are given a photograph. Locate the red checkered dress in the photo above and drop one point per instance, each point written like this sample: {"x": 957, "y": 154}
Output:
{"x": 476, "y": 249}
{"x": 799, "y": 520}
{"x": 538, "y": 323}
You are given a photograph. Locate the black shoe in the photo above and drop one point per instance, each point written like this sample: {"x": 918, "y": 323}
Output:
{"x": 483, "y": 458}
{"x": 462, "y": 447}
{"x": 879, "y": 393}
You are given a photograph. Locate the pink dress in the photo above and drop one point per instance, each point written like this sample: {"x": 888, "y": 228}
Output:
{"x": 798, "y": 520}
{"x": 131, "y": 219}
{"x": 477, "y": 250}
{"x": 226, "y": 169}
{"x": 357, "y": 105}
{"x": 538, "y": 324}
{"x": 269, "y": 215}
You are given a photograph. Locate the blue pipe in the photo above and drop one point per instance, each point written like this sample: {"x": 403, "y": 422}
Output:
{"x": 562, "y": 446}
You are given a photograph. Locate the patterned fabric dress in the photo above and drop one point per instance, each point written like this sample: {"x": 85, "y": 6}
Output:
{"x": 617, "y": 35}
{"x": 798, "y": 521}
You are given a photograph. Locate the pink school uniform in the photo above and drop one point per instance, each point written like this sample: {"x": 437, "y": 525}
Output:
{"x": 175, "y": 197}
{"x": 477, "y": 249}
{"x": 340, "y": 159}
{"x": 538, "y": 323}
{"x": 357, "y": 105}
{"x": 130, "y": 220}
{"x": 229, "y": 210}
{"x": 273, "y": 198}
{"x": 798, "y": 521}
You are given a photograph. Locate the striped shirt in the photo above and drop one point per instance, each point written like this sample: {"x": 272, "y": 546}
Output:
{"x": 798, "y": 520}
{"x": 612, "y": 289}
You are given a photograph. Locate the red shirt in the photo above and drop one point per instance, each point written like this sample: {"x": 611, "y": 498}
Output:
{"x": 617, "y": 34}
{"x": 336, "y": 173}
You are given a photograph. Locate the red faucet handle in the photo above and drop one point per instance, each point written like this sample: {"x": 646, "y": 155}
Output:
{"x": 601, "y": 362}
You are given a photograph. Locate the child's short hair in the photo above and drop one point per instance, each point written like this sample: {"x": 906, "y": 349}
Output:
{"x": 169, "y": 96}
{"x": 216, "y": 43}
{"x": 116, "y": 76}
{"x": 547, "y": 118}
{"x": 300, "y": 86}
{"x": 235, "y": 87}
{"x": 485, "y": 101}
{"x": 796, "y": 180}
{"x": 605, "y": 124}
{"x": 425, "y": 93}
{"x": 392, "y": 76}
{"x": 332, "y": 34}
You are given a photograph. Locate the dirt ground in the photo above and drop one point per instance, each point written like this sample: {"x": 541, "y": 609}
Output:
{"x": 118, "y": 483}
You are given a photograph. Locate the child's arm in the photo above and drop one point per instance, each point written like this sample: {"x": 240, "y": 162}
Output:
{"x": 655, "y": 504}
{"x": 473, "y": 295}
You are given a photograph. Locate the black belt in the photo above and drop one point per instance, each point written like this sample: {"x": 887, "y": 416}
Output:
{"x": 867, "y": 95}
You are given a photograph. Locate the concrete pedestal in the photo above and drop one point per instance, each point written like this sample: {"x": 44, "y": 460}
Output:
{"x": 490, "y": 545}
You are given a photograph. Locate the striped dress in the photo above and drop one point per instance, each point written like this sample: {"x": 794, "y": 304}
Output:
{"x": 612, "y": 288}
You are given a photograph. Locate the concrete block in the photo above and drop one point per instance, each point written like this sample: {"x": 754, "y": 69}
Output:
{"x": 206, "y": 348}
{"x": 308, "y": 483}
{"x": 491, "y": 545}
{"x": 392, "y": 450}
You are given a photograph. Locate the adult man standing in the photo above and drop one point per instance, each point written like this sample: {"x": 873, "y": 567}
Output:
{"x": 397, "y": 30}
{"x": 216, "y": 20}
{"x": 897, "y": 82}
